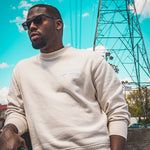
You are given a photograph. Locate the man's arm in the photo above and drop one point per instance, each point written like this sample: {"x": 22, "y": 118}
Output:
{"x": 9, "y": 138}
{"x": 15, "y": 123}
{"x": 117, "y": 142}
{"x": 112, "y": 102}
{"x": 15, "y": 113}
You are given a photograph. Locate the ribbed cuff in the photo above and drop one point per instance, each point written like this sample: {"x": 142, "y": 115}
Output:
{"x": 118, "y": 128}
{"x": 20, "y": 125}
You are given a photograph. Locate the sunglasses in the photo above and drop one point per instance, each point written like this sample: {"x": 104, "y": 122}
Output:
{"x": 37, "y": 20}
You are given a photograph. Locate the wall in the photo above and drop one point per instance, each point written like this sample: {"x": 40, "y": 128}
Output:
{"x": 138, "y": 139}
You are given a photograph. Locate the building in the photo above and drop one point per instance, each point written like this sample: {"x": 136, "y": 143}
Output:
{"x": 2, "y": 114}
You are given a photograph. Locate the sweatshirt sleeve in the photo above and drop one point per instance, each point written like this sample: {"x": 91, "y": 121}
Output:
{"x": 110, "y": 97}
{"x": 15, "y": 113}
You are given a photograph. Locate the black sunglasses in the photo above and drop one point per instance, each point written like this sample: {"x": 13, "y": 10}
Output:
{"x": 37, "y": 20}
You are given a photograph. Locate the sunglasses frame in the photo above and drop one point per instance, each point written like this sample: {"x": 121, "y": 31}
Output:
{"x": 26, "y": 24}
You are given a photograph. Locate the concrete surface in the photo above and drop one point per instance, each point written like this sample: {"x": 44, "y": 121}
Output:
{"x": 138, "y": 139}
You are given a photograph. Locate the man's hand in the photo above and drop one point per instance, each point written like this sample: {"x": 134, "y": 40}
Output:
{"x": 10, "y": 140}
{"x": 117, "y": 142}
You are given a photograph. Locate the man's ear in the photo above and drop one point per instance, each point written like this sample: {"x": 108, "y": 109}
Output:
{"x": 59, "y": 24}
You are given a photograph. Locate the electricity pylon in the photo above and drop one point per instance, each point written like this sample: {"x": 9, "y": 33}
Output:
{"x": 118, "y": 30}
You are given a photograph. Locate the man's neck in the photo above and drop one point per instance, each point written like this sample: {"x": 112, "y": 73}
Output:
{"x": 51, "y": 49}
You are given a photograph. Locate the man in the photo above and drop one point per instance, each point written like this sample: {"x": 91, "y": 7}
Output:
{"x": 66, "y": 98}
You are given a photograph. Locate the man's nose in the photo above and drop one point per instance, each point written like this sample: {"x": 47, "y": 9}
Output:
{"x": 33, "y": 26}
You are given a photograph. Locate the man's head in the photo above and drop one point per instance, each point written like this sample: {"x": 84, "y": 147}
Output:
{"x": 45, "y": 27}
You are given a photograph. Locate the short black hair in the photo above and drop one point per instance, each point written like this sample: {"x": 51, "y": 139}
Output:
{"x": 51, "y": 10}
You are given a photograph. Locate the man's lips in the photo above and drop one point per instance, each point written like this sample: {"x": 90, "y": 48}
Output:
{"x": 34, "y": 36}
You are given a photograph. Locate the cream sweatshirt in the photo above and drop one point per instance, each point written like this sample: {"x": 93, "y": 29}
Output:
{"x": 68, "y": 99}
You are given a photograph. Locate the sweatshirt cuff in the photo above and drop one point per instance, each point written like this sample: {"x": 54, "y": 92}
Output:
{"x": 118, "y": 128}
{"x": 20, "y": 125}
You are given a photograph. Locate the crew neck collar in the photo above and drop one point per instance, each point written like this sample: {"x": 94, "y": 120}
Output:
{"x": 49, "y": 56}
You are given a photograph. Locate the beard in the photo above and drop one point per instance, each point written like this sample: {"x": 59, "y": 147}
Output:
{"x": 38, "y": 44}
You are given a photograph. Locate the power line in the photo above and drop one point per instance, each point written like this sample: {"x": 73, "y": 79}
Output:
{"x": 80, "y": 40}
{"x": 76, "y": 23}
{"x": 71, "y": 23}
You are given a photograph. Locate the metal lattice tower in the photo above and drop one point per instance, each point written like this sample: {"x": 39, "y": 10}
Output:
{"x": 118, "y": 29}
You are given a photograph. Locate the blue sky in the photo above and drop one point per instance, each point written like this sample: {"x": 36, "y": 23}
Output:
{"x": 79, "y": 29}
{"x": 15, "y": 44}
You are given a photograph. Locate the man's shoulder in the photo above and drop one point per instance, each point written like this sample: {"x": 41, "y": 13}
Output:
{"x": 87, "y": 54}
{"x": 26, "y": 61}
{"x": 88, "y": 51}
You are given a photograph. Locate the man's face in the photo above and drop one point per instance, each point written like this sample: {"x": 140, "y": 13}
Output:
{"x": 42, "y": 35}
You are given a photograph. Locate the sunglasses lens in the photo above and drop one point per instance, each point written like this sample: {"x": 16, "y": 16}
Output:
{"x": 25, "y": 26}
{"x": 37, "y": 20}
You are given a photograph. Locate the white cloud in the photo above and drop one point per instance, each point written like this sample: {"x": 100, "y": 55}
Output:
{"x": 25, "y": 12}
{"x": 99, "y": 49}
{"x": 85, "y": 14}
{"x": 19, "y": 22}
{"x": 20, "y": 27}
{"x": 64, "y": 25}
{"x": 4, "y": 65}
{"x": 142, "y": 8}
{"x": 24, "y": 4}
{"x": 3, "y": 95}
{"x": 14, "y": 7}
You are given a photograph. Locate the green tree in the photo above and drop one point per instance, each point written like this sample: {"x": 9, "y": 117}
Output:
{"x": 139, "y": 104}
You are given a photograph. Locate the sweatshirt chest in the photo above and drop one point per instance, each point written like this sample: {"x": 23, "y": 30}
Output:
{"x": 57, "y": 76}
